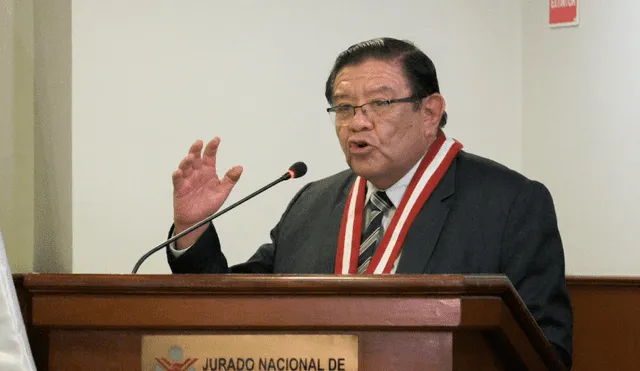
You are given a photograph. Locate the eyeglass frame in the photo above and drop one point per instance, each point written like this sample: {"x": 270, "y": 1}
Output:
{"x": 388, "y": 102}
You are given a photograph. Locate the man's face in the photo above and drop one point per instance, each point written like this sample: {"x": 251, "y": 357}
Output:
{"x": 381, "y": 147}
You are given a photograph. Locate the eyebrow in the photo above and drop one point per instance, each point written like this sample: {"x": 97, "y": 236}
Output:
{"x": 339, "y": 96}
{"x": 380, "y": 89}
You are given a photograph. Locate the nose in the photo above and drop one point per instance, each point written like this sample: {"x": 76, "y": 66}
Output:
{"x": 361, "y": 120}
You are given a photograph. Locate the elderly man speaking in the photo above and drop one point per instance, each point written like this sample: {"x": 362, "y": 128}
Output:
{"x": 412, "y": 201}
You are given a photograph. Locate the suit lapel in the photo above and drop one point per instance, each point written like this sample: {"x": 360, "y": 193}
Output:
{"x": 423, "y": 234}
{"x": 327, "y": 249}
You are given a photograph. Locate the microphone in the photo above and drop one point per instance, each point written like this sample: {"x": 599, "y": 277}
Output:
{"x": 296, "y": 170}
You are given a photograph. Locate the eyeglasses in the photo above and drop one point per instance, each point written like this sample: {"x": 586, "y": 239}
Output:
{"x": 342, "y": 115}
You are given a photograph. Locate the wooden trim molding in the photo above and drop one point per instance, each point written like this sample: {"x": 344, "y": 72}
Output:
{"x": 603, "y": 281}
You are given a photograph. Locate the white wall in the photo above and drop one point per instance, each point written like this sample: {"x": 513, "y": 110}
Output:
{"x": 581, "y": 127}
{"x": 150, "y": 77}
{"x": 52, "y": 136}
{"x": 6, "y": 111}
{"x": 16, "y": 132}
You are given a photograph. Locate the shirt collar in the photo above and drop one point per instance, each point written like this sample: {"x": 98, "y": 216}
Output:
{"x": 396, "y": 191}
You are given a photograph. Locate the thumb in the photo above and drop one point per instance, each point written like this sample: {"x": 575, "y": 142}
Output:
{"x": 233, "y": 175}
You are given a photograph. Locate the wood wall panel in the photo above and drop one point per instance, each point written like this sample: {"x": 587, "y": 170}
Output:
{"x": 606, "y": 323}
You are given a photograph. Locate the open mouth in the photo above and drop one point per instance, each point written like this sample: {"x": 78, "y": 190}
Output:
{"x": 359, "y": 144}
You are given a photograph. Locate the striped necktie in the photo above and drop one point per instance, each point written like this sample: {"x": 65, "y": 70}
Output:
{"x": 377, "y": 206}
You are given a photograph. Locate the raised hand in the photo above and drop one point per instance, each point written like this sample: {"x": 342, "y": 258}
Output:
{"x": 198, "y": 191}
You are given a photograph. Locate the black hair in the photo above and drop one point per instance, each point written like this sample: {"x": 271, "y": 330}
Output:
{"x": 418, "y": 68}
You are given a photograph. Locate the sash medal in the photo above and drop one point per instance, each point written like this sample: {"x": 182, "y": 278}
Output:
{"x": 429, "y": 173}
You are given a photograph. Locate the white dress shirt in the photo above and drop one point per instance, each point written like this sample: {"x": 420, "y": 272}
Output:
{"x": 395, "y": 194}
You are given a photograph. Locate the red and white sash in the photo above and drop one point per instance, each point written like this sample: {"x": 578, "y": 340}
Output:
{"x": 429, "y": 173}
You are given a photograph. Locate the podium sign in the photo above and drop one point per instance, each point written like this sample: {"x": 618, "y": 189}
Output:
{"x": 250, "y": 352}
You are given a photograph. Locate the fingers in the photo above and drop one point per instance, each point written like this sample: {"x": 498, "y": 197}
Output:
{"x": 177, "y": 178}
{"x": 230, "y": 179}
{"x": 209, "y": 157}
{"x": 194, "y": 160}
{"x": 196, "y": 150}
{"x": 186, "y": 165}
{"x": 197, "y": 158}
{"x": 232, "y": 176}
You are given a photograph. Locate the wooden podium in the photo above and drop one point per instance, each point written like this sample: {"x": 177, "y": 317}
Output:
{"x": 449, "y": 322}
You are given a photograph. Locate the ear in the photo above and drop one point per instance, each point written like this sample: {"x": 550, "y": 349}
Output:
{"x": 433, "y": 108}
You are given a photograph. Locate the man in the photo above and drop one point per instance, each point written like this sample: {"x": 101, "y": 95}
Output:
{"x": 412, "y": 201}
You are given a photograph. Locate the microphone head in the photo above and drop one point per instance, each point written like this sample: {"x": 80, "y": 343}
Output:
{"x": 298, "y": 170}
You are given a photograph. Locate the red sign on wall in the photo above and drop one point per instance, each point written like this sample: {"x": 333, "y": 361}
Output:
{"x": 563, "y": 13}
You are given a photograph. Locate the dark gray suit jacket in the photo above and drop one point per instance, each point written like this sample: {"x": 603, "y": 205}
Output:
{"x": 481, "y": 218}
